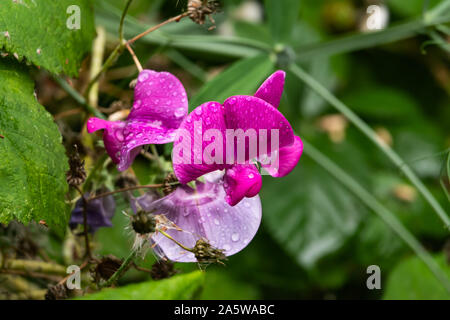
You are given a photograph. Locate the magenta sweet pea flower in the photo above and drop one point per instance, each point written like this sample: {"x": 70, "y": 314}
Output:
{"x": 229, "y": 136}
{"x": 160, "y": 105}
{"x": 202, "y": 213}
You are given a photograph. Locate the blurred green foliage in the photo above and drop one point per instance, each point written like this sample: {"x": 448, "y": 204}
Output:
{"x": 317, "y": 238}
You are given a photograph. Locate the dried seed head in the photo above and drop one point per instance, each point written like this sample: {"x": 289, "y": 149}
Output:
{"x": 198, "y": 10}
{"x": 107, "y": 266}
{"x": 162, "y": 270}
{"x": 168, "y": 186}
{"x": 76, "y": 174}
{"x": 206, "y": 254}
{"x": 57, "y": 292}
{"x": 143, "y": 222}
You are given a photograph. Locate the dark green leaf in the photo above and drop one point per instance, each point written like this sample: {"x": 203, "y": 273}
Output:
{"x": 309, "y": 213}
{"x": 382, "y": 103}
{"x": 38, "y": 31}
{"x": 33, "y": 161}
{"x": 243, "y": 77}
{"x": 179, "y": 287}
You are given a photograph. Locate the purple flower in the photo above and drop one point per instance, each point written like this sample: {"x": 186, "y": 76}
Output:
{"x": 160, "y": 105}
{"x": 99, "y": 213}
{"x": 203, "y": 213}
{"x": 257, "y": 118}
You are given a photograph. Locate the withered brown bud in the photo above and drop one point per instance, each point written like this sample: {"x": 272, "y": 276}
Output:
{"x": 143, "y": 222}
{"x": 205, "y": 253}
{"x": 133, "y": 83}
{"x": 198, "y": 10}
{"x": 168, "y": 183}
{"x": 76, "y": 174}
{"x": 162, "y": 270}
{"x": 107, "y": 266}
{"x": 57, "y": 292}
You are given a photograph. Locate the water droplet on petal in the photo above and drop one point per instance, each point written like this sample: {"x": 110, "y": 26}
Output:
{"x": 143, "y": 76}
{"x": 251, "y": 175}
{"x": 119, "y": 135}
{"x": 198, "y": 111}
{"x": 235, "y": 237}
{"x": 179, "y": 112}
{"x": 216, "y": 222}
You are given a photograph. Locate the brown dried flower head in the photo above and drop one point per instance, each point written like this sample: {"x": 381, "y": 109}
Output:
{"x": 198, "y": 10}
{"x": 76, "y": 174}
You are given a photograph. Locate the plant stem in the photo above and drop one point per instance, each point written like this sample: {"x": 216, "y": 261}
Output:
{"x": 388, "y": 217}
{"x": 94, "y": 170}
{"x": 364, "y": 128}
{"x": 171, "y": 238}
{"x": 143, "y": 34}
{"x": 122, "y": 45}
{"x": 148, "y": 186}
{"x": 33, "y": 266}
{"x": 158, "y": 158}
{"x": 135, "y": 59}
{"x": 121, "y": 270}
{"x": 122, "y": 20}
{"x": 437, "y": 11}
{"x": 108, "y": 63}
{"x": 98, "y": 49}
{"x": 85, "y": 223}
{"x": 78, "y": 97}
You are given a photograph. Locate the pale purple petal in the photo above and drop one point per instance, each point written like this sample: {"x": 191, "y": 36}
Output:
{"x": 99, "y": 213}
{"x": 272, "y": 89}
{"x": 143, "y": 201}
{"x": 288, "y": 158}
{"x": 241, "y": 181}
{"x": 203, "y": 213}
{"x": 191, "y": 137}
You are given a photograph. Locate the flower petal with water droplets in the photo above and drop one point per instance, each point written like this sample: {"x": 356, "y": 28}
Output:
{"x": 203, "y": 213}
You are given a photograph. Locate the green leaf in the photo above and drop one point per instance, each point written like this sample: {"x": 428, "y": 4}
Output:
{"x": 179, "y": 287}
{"x": 309, "y": 213}
{"x": 252, "y": 31}
{"x": 243, "y": 77}
{"x": 412, "y": 280}
{"x": 38, "y": 32}
{"x": 230, "y": 287}
{"x": 281, "y": 16}
{"x": 33, "y": 161}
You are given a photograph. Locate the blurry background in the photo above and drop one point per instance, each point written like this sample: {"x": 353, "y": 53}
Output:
{"x": 317, "y": 239}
